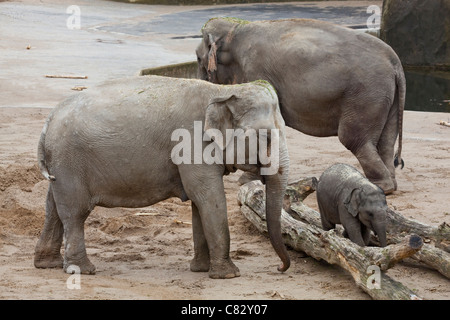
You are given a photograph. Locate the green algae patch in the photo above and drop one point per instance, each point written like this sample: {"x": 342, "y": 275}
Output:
{"x": 229, "y": 19}
{"x": 267, "y": 85}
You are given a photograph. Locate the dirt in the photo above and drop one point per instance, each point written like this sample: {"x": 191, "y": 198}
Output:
{"x": 145, "y": 253}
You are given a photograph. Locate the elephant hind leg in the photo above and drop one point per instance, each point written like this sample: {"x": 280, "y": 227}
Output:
{"x": 386, "y": 144}
{"x": 367, "y": 154}
{"x": 326, "y": 224}
{"x": 374, "y": 167}
{"x": 73, "y": 204}
{"x": 362, "y": 134}
{"x": 48, "y": 249}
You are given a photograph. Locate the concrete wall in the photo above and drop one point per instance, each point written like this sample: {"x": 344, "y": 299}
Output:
{"x": 418, "y": 31}
{"x": 181, "y": 70}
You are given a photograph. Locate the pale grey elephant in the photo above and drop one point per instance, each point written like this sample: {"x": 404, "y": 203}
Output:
{"x": 118, "y": 144}
{"x": 346, "y": 197}
{"x": 330, "y": 81}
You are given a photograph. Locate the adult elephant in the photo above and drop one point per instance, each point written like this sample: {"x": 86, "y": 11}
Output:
{"x": 330, "y": 80}
{"x": 118, "y": 145}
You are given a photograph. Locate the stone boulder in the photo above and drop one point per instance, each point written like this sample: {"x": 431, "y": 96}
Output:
{"x": 418, "y": 30}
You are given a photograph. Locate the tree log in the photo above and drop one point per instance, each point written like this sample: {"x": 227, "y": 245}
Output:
{"x": 365, "y": 264}
{"x": 398, "y": 224}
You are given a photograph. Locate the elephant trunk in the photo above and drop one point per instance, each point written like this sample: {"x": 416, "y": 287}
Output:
{"x": 275, "y": 189}
{"x": 380, "y": 230}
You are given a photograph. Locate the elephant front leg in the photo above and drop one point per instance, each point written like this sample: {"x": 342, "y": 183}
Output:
{"x": 200, "y": 262}
{"x": 213, "y": 217}
{"x": 365, "y": 232}
{"x": 353, "y": 230}
{"x": 204, "y": 186}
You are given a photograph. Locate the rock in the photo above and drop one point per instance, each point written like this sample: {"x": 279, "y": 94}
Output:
{"x": 418, "y": 31}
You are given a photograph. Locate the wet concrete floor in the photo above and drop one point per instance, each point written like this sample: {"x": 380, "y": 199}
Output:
{"x": 117, "y": 39}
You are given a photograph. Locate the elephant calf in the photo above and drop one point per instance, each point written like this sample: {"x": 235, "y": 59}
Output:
{"x": 345, "y": 196}
{"x": 117, "y": 145}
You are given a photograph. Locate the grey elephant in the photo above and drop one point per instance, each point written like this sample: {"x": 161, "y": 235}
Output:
{"x": 346, "y": 197}
{"x": 119, "y": 145}
{"x": 330, "y": 80}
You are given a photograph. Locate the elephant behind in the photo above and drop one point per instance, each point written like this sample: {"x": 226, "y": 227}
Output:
{"x": 330, "y": 81}
{"x": 118, "y": 145}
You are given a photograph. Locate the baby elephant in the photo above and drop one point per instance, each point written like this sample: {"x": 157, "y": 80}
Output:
{"x": 345, "y": 196}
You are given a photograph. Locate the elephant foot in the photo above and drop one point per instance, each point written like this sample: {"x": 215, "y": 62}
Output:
{"x": 247, "y": 177}
{"x": 224, "y": 269}
{"x": 83, "y": 266}
{"x": 44, "y": 261}
{"x": 200, "y": 265}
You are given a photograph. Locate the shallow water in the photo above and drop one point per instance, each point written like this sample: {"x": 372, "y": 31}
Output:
{"x": 428, "y": 91}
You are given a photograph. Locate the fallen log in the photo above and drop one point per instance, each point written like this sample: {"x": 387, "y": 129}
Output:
{"x": 365, "y": 264}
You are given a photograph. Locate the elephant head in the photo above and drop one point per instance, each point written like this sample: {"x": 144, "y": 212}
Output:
{"x": 370, "y": 207}
{"x": 251, "y": 112}
{"x": 215, "y": 55}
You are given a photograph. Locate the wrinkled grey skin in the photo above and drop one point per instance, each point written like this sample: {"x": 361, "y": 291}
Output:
{"x": 111, "y": 147}
{"x": 346, "y": 197}
{"x": 330, "y": 81}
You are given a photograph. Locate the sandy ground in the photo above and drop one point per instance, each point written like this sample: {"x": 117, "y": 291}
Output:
{"x": 145, "y": 253}
{"x": 147, "y": 256}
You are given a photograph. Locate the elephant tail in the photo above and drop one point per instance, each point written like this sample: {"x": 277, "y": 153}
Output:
{"x": 41, "y": 154}
{"x": 401, "y": 93}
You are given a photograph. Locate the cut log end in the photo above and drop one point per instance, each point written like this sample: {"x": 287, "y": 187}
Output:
{"x": 415, "y": 242}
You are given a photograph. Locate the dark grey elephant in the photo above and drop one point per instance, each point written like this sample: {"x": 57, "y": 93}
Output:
{"x": 346, "y": 197}
{"x": 330, "y": 81}
{"x": 119, "y": 145}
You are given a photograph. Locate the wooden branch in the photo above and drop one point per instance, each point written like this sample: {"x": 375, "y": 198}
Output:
{"x": 434, "y": 258}
{"x": 398, "y": 224}
{"x": 65, "y": 76}
{"x": 360, "y": 262}
{"x": 444, "y": 123}
{"x": 79, "y": 88}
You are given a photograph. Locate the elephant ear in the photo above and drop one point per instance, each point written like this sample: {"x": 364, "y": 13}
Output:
{"x": 212, "y": 59}
{"x": 352, "y": 201}
{"x": 218, "y": 119}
